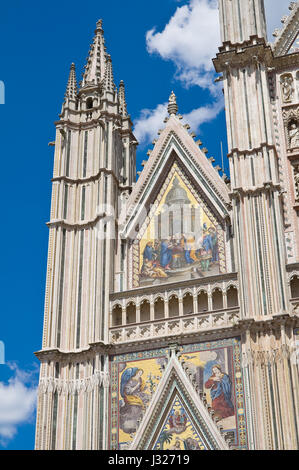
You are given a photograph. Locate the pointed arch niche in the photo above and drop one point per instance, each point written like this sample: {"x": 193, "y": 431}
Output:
{"x": 181, "y": 238}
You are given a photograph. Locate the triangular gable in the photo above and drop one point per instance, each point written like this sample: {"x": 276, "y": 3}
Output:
{"x": 177, "y": 416}
{"x": 179, "y": 431}
{"x": 175, "y": 143}
{"x": 287, "y": 39}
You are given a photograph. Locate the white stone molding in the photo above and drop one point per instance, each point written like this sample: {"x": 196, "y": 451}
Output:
{"x": 72, "y": 386}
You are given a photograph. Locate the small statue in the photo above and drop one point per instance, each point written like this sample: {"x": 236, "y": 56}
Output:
{"x": 287, "y": 88}
{"x": 294, "y": 136}
{"x": 172, "y": 104}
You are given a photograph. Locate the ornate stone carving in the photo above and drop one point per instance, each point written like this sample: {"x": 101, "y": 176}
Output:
{"x": 291, "y": 124}
{"x": 296, "y": 179}
{"x": 287, "y": 88}
{"x": 294, "y": 135}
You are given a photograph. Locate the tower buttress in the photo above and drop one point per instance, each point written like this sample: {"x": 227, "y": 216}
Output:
{"x": 244, "y": 59}
{"x": 92, "y": 137}
{"x": 255, "y": 188}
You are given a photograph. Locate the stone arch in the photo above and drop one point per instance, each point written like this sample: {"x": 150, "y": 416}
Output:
{"x": 116, "y": 315}
{"x": 188, "y": 303}
{"x": 173, "y": 306}
{"x": 131, "y": 312}
{"x": 217, "y": 299}
{"x": 145, "y": 310}
{"x": 294, "y": 286}
{"x": 232, "y": 296}
{"x": 202, "y": 301}
{"x": 159, "y": 308}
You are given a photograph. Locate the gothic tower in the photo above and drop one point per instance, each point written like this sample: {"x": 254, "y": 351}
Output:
{"x": 94, "y": 169}
{"x": 172, "y": 302}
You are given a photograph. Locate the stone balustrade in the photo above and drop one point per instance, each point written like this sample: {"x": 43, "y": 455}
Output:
{"x": 175, "y": 326}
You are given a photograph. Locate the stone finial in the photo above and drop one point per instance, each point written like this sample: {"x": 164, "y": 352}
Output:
{"x": 99, "y": 25}
{"x": 172, "y": 104}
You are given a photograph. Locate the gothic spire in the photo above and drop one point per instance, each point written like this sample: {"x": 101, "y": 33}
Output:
{"x": 122, "y": 99}
{"x": 95, "y": 66}
{"x": 172, "y": 104}
{"x": 71, "y": 88}
{"x": 108, "y": 78}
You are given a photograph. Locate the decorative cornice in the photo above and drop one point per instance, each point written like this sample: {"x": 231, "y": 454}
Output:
{"x": 238, "y": 152}
{"x": 242, "y": 55}
{"x": 90, "y": 179}
{"x": 76, "y": 225}
{"x": 234, "y": 59}
{"x": 63, "y": 356}
{"x": 240, "y": 192}
{"x": 269, "y": 323}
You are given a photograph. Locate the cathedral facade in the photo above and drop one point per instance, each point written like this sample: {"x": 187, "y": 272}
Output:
{"x": 172, "y": 302}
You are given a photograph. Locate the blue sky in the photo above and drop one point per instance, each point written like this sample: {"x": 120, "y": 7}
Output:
{"x": 38, "y": 42}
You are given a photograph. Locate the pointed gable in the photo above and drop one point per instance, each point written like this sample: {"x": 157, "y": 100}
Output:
{"x": 287, "y": 38}
{"x": 177, "y": 212}
{"x": 177, "y": 417}
{"x": 175, "y": 143}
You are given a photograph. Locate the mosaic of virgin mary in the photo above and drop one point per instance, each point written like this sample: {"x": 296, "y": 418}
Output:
{"x": 220, "y": 388}
{"x": 134, "y": 399}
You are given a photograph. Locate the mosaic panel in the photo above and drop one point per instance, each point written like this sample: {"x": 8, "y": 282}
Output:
{"x": 181, "y": 238}
{"x": 217, "y": 368}
{"x": 178, "y": 431}
{"x": 134, "y": 379}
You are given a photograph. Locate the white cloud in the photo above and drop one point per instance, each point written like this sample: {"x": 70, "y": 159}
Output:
{"x": 17, "y": 403}
{"x": 149, "y": 122}
{"x": 203, "y": 114}
{"x": 190, "y": 39}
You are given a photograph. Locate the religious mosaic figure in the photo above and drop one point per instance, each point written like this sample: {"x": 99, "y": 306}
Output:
{"x": 220, "y": 388}
{"x": 177, "y": 422}
{"x": 287, "y": 88}
{"x": 151, "y": 267}
{"x": 191, "y": 444}
{"x": 134, "y": 399}
{"x": 172, "y": 255}
{"x": 294, "y": 136}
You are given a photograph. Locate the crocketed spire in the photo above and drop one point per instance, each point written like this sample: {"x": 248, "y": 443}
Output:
{"x": 108, "y": 79}
{"x": 71, "y": 88}
{"x": 95, "y": 66}
{"x": 122, "y": 99}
